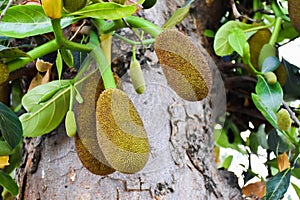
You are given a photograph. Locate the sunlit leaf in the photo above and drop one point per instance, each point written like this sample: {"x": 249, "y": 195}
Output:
{"x": 221, "y": 43}
{"x": 10, "y": 126}
{"x": 227, "y": 162}
{"x": 237, "y": 40}
{"x": 297, "y": 189}
{"x": 43, "y": 117}
{"x": 278, "y": 185}
{"x": 27, "y": 20}
{"x": 106, "y": 10}
{"x": 270, "y": 95}
{"x": 178, "y": 15}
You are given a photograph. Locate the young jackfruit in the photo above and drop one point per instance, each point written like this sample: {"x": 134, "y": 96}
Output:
{"x": 284, "y": 120}
{"x": 4, "y": 73}
{"x": 137, "y": 77}
{"x": 74, "y": 5}
{"x": 293, "y": 7}
{"x": 184, "y": 65}
{"x": 120, "y": 132}
{"x": 270, "y": 77}
{"x": 89, "y": 161}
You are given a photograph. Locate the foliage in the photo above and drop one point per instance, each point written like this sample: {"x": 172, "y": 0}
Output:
{"x": 270, "y": 129}
{"x": 50, "y": 96}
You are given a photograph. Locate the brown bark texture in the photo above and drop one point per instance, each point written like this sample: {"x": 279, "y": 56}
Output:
{"x": 181, "y": 164}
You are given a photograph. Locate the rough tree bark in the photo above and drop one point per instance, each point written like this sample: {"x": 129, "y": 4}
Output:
{"x": 182, "y": 163}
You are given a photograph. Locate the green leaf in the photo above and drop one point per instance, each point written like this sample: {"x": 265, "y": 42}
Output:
{"x": 297, "y": 189}
{"x": 28, "y": 20}
{"x": 178, "y": 15}
{"x": 5, "y": 148}
{"x": 106, "y": 10}
{"x": 270, "y": 95}
{"x": 266, "y": 111}
{"x": 296, "y": 172}
{"x": 8, "y": 183}
{"x": 270, "y": 64}
{"x": 237, "y": 40}
{"x": 278, "y": 185}
{"x": 67, "y": 57}
{"x": 227, "y": 162}
{"x": 262, "y": 137}
{"x": 10, "y": 126}
{"x": 45, "y": 116}
{"x": 59, "y": 64}
{"x": 278, "y": 142}
{"x": 10, "y": 53}
{"x": 221, "y": 43}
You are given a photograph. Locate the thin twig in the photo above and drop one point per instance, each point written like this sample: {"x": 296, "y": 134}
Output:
{"x": 292, "y": 114}
{"x": 77, "y": 31}
{"x": 237, "y": 14}
{"x": 5, "y": 10}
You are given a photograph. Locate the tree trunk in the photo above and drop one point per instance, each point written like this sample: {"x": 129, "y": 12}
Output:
{"x": 181, "y": 164}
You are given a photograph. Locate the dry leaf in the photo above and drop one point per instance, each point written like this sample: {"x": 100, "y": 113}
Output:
{"x": 283, "y": 162}
{"x": 39, "y": 79}
{"x": 257, "y": 190}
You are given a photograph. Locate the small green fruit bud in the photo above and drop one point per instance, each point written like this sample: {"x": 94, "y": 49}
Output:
{"x": 74, "y": 5}
{"x": 271, "y": 78}
{"x": 284, "y": 120}
{"x": 4, "y": 73}
{"x": 137, "y": 77}
{"x": 70, "y": 124}
{"x": 52, "y": 8}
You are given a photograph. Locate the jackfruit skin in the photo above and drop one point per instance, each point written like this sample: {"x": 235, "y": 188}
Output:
{"x": 89, "y": 161}
{"x": 293, "y": 8}
{"x": 256, "y": 43}
{"x": 284, "y": 120}
{"x": 184, "y": 65}
{"x": 86, "y": 120}
{"x": 120, "y": 132}
{"x": 4, "y": 73}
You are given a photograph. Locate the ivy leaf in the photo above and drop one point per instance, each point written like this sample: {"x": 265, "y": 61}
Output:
{"x": 106, "y": 10}
{"x": 270, "y": 95}
{"x": 237, "y": 40}
{"x": 178, "y": 15}
{"x": 28, "y": 20}
{"x": 270, "y": 64}
{"x": 43, "y": 117}
{"x": 266, "y": 111}
{"x": 278, "y": 185}
{"x": 10, "y": 126}
{"x": 8, "y": 183}
{"x": 221, "y": 43}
